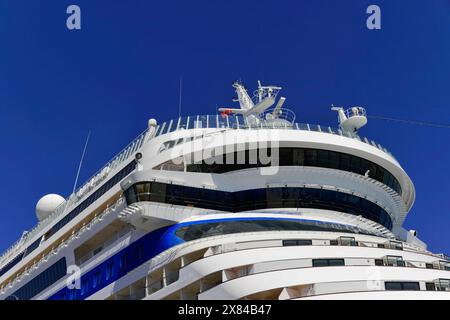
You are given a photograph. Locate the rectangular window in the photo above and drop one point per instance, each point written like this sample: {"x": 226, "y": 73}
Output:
{"x": 158, "y": 192}
{"x": 393, "y": 286}
{"x": 336, "y": 262}
{"x": 298, "y": 157}
{"x": 396, "y": 245}
{"x": 320, "y": 263}
{"x": 310, "y": 157}
{"x": 84, "y": 286}
{"x": 297, "y": 242}
{"x": 130, "y": 196}
{"x": 347, "y": 241}
{"x": 364, "y": 165}
{"x": 398, "y": 286}
{"x": 379, "y": 262}
{"x": 333, "y": 160}
{"x": 414, "y": 286}
{"x": 41, "y": 281}
{"x": 322, "y": 158}
{"x": 394, "y": 261}
{"x": 443, "y": 284}
{"x": 344, "y": 163}
{"x": 287, "y": 243}
{"x": 401, "y": 263}
{"x": 328, "y": 262}
{"x": 355, "y": 165}
{"x": 430, "y": 286}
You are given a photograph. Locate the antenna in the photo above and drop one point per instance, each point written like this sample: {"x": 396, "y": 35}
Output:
{"x": 81, "y": 162}
{"x": 414, "y": 122}
{"x": 180, "y": 96}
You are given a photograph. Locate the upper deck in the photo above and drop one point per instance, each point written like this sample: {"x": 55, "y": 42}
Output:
{"x": 241, "y": 122}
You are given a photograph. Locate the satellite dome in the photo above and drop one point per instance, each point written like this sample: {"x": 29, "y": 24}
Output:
{"x": 47, "y": 204}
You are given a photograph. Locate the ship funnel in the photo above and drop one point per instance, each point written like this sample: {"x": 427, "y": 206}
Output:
{"x": 352, "y": 119}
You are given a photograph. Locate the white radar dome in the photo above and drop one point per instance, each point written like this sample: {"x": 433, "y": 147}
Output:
{"x": 47, "y": 204}
{"x": 152, "y": 123}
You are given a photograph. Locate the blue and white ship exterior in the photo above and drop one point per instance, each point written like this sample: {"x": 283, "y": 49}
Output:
{"x": 244, "y": 204}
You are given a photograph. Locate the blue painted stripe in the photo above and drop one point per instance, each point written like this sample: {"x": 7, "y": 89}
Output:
{"x": 141, "y": 251}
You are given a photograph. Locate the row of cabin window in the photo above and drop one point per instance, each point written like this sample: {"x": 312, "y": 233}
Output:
{"x": 86, "y": 203}
{"x": 95, "y": 280}
{"x": 42, "y": 281}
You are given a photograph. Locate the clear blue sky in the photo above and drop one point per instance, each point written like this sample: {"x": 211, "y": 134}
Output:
{"x": 123, "y": 68}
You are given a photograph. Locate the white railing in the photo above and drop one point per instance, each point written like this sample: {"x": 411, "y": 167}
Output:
{"x": 355, "y": 112}
{"x": 64, "y": 243}
{"x": 104, "y": 246}
{"x": 237, "y": 121}
{"x": 164, "y": 258}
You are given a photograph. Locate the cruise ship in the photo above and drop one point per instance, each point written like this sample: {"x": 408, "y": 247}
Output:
{"x": 244, "y": 204}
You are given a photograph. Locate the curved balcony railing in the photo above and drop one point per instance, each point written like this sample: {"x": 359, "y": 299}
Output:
{"x": 75, "y": 197}
{"x": 355, "y": 112}
{"x": 285, "y": 121}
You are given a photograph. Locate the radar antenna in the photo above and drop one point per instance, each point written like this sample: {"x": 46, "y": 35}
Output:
{"x": 352, "y": 119}
{"x": 264, "y": 97}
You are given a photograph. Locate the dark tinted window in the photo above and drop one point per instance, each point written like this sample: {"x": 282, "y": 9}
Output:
{"x": 395, "y": 286}
{"x": 288, "y": 197}
{"x": 430, "y": 286}
{"x": 303, "y": 157}
{"x": 336, "y": 262}
{"x": 41, "y": 281}
{"x": 411, "y": 286}
{"x": 297, "y": 242}
{"x": 328, "y": 262}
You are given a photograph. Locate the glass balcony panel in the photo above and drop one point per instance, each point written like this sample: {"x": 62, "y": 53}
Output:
{"x": 303, "y": 126}
{"x": 443, "y": 284}
{"x": 347, "y": 241}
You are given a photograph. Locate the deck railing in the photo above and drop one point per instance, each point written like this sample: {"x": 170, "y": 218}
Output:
{"x": 75, "y": 197}
{"x": 237, "y": 121}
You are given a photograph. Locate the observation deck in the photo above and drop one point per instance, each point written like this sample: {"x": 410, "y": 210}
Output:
{"x": 237, "y": 121}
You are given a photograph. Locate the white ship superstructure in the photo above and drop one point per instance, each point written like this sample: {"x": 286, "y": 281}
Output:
{"x": 243, "y": 204}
